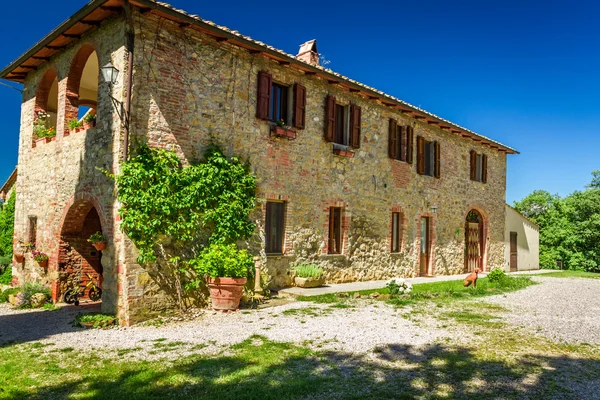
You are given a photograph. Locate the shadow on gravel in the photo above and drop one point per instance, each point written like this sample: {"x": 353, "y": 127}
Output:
{"x": 30, "y": 326}
{"x": 260, "y": 369}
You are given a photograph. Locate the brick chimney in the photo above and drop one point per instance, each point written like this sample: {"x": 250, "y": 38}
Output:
{"x": 309, "y": 53}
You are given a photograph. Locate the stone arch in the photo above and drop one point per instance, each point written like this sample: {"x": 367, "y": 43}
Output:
{"x": 46, "y": 98}
{"x": 476, "y": 239}
{"x": 76, "y": 256}
{"x": 82, "y": 82}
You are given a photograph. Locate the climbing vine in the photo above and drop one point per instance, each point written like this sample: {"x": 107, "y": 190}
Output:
{"x": 171, "y": 211}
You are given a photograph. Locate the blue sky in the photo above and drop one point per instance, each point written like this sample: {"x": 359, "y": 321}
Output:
{"x": 525, "y": 73}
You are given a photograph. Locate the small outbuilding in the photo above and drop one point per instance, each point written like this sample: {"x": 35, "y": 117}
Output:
{"x": 522, "y": 238}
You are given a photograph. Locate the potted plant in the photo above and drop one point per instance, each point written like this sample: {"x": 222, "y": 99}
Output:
{"x": 50, "y": 134}
{"x": 308, "y": 276}
{"x": 40, "y": 258}
{"x": 89, "y": 120}
{"x": 226, "y": 268}
{"x": 98, "y": 241}
{"x": 280, "y": 130}
{"x": 75, "y": 125}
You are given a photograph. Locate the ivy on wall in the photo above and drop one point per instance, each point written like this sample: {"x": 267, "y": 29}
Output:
{"x": 172, "y": 211}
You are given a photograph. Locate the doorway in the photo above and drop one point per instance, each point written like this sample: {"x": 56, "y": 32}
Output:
{"x": 513, "y": 252}
{"x": 425, "y": 253}
{"x": 474, "y": 242}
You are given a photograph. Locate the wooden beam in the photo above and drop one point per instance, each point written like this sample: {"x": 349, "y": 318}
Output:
{"x": 310, "y": 73}
{"x": 254, "y": 52}
{"x": 283, "y": 62}
{"x": 144, "y": 10}
{"x": 110, "y": 8}
{"x": 407, "y": 112}
{"x": 352, "y": 90}
{"x": 184, "y": 24}
{"x": 446, "y": 128}
{"x": 332, "y": 82}
{"x": 55, "y": 47}
{"x": 221, "y": 39}
{"x": 91, "y": 23}
{"x": 373, "y": 97}
{"x": 420, "y": 117}
{"x": 40, "y": 58}
{"x": 455, "y": 131}
{"x": 433, "y": 122}
{"x": 30, "y": 67}
{"x": 71, "y": 36}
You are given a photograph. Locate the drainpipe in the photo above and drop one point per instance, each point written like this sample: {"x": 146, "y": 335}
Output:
{"x": 130, "y": 37}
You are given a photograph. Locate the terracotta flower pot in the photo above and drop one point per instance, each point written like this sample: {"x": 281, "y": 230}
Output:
{"x": 19, "y": 257}
{"x": 43, "y": 264}
{"x": 88, "y": 125}
{"x": 225, "y": 293}
{"x": 309, "y": 282}
{"x": 99, "y": 245}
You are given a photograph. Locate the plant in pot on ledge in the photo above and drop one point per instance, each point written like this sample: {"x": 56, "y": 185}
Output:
{"x": 227, "y": 269}
{"x": 40, "y": 258}
{"x": 75, "y": 125}
{"x": 89, "y": 120}
{"x": 308, "y": 276}
{"x": 98, "y": 241}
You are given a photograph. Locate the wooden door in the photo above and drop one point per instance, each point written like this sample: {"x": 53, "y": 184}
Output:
{"x": 513, "y": 251}
{"x": 425, "y": 247}
{"x": 473, "y": 247}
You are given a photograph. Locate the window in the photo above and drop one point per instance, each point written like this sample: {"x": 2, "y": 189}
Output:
{"x": 400, "y": 142}
{"x": 428, "y": 157}
{"x": 275, "y": 227}
{"x": 278, "y": 108}
{"x": 478, "y": 167}
{"x": 335, "y": 230}
{"x": 342, "y": 123}
{"x": 276, "y": 101}
{"x": 32, "y": 234}
{"x": 396, "y": 232}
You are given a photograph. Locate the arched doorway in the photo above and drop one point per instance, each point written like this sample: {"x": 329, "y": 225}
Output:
{"x": 82, "y": 84}
{"x": 474, "y": 241}
{"x": 46, "y": 102}
{"x": 78, "y": 260}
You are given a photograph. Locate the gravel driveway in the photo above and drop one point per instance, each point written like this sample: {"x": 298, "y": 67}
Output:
{"x": 356, "y": 330}
{"x": 562, "y": 309}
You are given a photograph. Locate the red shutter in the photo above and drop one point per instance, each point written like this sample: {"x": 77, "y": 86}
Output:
{"x": 299, "y": 106}
{"x": 473, "y": 165}
{"x": 330, "y": 119}
{"x": 355, "y": 119}
{"x": 402, "y": 137}
{"x": 436, "y": 168}
{"x": 263, "y": 98}
{"x": 420, "y": 155}
{"x": 484, "y": 167}
{"x": 392, "y": 139}
{"x": 409, "y": 146}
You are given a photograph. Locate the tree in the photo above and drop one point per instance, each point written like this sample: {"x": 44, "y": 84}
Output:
{"x": 595, "y": 183}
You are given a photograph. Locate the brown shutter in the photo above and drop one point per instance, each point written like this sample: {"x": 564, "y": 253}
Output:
{"x": 436, "y": 168}
{"x": 355, "y": 117}
{"x": 473, "y": 165}
{"x": 410, "y": 144}
{"x": 392, "y": 139}
{"x": 263, "y": 98}
{"x": 330, "y": 118}
{"x": 484, "y": 167}
{"x": 299, "y": 106}
{"x": 420, "y": 155}
{"x": 402, "y": 137}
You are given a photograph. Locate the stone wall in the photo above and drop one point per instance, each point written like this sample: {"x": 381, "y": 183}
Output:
{"x": 60, "y": 182}
{"x": 189, "y": 88}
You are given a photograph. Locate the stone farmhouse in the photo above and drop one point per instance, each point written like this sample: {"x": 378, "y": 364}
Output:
{"x": 359, "y": 182}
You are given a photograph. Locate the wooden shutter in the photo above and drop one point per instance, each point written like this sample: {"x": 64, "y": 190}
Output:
{"x": 420, "y": 155}
{"x": 299, "y": 106}
{"x": 392, "y": 139}
{"x": 473, "y": 165}
{"x": 484, "y": 168}
{"x": 402, "y": 137}
{"x": 436, "y": 168}
{"x": 409, "y": 144}
{"x": 355, "y": 117}
{"x": 263, "y": 98}
{"x": 330, "y": 119}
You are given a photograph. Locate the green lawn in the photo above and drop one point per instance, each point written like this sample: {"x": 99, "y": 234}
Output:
{"x": 439, "y": 291}
{"x": 571, "y": 274}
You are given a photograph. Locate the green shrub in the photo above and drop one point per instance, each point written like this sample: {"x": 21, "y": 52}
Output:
{"x": 308, "y": 271}
{"x": 4, "y": 295}
{"x": 99, "y": 320}
{"x": 75, "y": 123}
{"x": 6, "y": 275}
{"x": 497, "y": 276}
{"x": 28, "y": 290}
{"x": 223, "y": 261}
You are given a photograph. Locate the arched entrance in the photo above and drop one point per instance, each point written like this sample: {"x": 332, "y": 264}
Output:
{"x": 77, "y": 258}
{"x": 474, "y": 241}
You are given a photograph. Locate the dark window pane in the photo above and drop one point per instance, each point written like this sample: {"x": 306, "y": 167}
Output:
{"x": 274, "y": 227}
{"x": 335, "y": 230}
{"x": 340, "y": 121}
{"x": 396, "y": 232}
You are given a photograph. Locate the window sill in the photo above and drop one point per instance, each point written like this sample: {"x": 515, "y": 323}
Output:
{"x": 342, "y": 150}
{"x": 41, "y": 141}
{"x": 78, "y": 130}
{"x": 282, "y": 132}
{"x": 333, "y": 255}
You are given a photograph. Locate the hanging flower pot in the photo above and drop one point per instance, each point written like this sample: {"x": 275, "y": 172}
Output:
{"x": 99, "y": 245}
{"x": 40, "y": 258}
{"x": 98, "y": 241}
{"x": 19, "y": 257}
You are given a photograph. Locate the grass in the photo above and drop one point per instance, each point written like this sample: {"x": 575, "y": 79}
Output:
{"x": 438, "y": 291}
{"x": 570, "y": 274}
